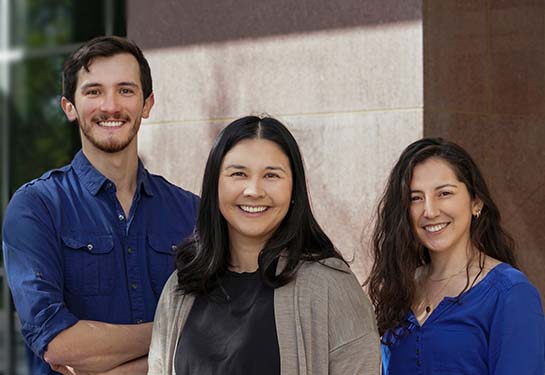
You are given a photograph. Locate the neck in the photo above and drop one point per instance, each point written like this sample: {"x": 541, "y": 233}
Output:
{"x": 244, "y": 253}
{"x": 447, "y": 264}
{"x": 121, "y": 167}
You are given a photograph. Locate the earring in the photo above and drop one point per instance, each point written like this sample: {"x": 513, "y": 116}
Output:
{"x": 477, "y": 214}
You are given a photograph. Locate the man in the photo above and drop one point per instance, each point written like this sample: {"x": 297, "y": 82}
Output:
{"x": 88, "y": 247}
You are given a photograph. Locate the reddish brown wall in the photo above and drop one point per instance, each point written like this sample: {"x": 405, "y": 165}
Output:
{"x": 484, "y": 87}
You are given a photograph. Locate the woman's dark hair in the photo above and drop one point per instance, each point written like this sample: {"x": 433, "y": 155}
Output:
{"x": 397, "y": 251}
{"x": 102, "y": 46}
{"x": 204, "y": 259}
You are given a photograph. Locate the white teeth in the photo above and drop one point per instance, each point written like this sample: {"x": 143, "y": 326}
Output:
{"x": 253, "y": 209}
{"x": 110, "y": 124}
{"x": 434, "y": 228}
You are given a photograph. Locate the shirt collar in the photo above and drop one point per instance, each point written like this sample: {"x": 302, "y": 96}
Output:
{"x": 143, "y": 181}
{"x": 93, "y": 180}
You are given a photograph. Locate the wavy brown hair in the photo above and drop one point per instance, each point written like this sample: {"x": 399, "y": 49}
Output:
{"x": 397, "y": 251}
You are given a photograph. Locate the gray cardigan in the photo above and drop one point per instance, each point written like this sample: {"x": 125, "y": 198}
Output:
{"x": 324, "y": 321}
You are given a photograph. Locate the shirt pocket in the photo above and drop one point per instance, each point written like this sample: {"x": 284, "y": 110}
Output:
{"x": 162, "y": 248}
{"x": 89, "y": 263}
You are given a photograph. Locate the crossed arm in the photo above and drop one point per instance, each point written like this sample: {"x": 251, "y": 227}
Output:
{"x": 97, "y": 347}
{"x": 135, "y": 367}
{"x": 35, "y": 273}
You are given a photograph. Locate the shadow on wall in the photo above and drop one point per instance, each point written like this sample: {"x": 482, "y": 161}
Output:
{"x": 180, "y": 23}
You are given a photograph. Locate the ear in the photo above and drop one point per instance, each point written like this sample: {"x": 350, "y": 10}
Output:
{"x": 148, "y": 104}
{"x": 69, "y": 109}
{"x": 476, "y": 206}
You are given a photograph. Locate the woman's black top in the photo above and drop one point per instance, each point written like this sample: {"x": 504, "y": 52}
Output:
{"x": 231, "y": 330}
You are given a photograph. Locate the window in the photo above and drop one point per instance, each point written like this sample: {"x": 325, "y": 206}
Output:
{"x": 35, "y": 38}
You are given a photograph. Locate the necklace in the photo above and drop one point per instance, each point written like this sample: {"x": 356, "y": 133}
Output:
{"x": 447, "y": 277}
{"x": 429, "y": 303}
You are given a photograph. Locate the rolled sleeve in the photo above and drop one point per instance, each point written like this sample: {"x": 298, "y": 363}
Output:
{"x": 34, "y": 265}
{"x": 50, "y": 322}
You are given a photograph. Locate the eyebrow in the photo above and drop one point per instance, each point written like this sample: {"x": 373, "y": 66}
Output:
{"x": 96, "y": 84}
{"x": 437, "y": 188}
{"x": 133, "y": 84}
{"x": 89, "y": 85}
{"x": 269, "y": 167}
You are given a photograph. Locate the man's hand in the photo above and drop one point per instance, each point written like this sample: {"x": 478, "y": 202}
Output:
{"x": 64, "y": 370}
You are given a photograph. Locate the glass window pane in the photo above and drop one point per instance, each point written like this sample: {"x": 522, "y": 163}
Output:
{"x": 50, "y": 23}
{"x": 40, "y": 136}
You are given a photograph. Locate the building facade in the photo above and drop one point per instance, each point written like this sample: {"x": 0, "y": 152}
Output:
{"x": 356, "y": 81}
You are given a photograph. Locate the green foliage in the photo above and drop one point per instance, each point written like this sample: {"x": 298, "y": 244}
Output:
{"x": 41, "y": 137}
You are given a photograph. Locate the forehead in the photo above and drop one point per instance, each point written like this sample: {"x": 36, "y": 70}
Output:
{"x": 433, "y": 172}
{"x": 255, "y": 152}
{"x": 122, "y": 67}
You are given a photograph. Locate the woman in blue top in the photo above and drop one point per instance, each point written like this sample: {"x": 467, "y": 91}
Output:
{"x": 447, "y": 294}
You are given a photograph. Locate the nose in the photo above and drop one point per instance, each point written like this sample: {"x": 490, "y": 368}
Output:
{"x": 431, "y": 209}
{"x": 109, "y": 103}
{"x": 253, "y": 188}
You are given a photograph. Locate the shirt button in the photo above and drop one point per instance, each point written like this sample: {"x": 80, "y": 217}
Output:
{"x": 130, "y": 250}
{"x": 174, "y": 247}
{"x": 418, "y": 363}
{"x": 139, "y": 321}
{"x": 417, "y": 351}
{"x": 90, "y": 247}
{"x": 109, "y": 185}
{"x": 134, "y": 286}
{"x": 121, "y": 217}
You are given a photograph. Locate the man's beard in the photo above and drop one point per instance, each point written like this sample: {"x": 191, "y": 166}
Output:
{"x": 110, "y": 145}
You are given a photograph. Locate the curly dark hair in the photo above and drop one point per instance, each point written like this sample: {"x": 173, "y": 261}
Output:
{"x": 397, "y": 251}
{"x": 203, "y": 260}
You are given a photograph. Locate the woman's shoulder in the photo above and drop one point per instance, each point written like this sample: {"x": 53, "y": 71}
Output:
{"x": 327, "y": 270}
{"x": 504, "y": 277}
{"x": 171, "y": 292}
{"x": 172, "y": 282}
{"x": 330, "y": 277}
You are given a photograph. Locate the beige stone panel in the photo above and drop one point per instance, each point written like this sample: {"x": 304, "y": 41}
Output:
{"x": 347, "y": 158}
{"x": 178, "y": 151}
{"x": 368, "y": 68}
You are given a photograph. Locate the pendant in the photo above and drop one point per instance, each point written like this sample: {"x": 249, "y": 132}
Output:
{"x": 428, "y": 309}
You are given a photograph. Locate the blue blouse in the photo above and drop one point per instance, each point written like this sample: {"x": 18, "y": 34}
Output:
{"x": 496, "y": 327}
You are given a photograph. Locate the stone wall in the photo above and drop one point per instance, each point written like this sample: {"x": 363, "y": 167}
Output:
{"x": 345, "y": 77}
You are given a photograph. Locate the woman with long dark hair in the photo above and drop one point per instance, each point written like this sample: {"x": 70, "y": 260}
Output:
{"x": 445, "y": 286}
{"x": 261, "y": 289}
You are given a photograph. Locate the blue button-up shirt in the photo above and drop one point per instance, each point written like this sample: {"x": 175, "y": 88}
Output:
{"x": 71, "y": 253}
{"x": 497, "y": 327}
